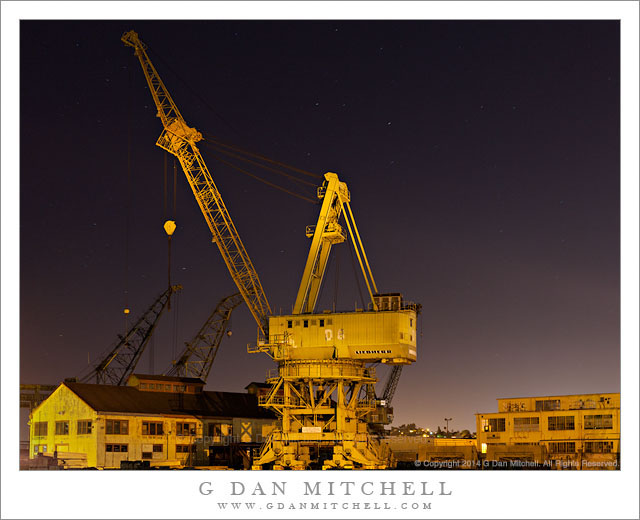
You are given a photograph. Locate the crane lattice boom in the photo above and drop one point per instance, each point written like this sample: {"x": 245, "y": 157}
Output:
{"x": 179, "y": 139}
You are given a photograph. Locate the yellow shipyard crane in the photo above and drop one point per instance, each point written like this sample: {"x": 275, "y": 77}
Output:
{"x": 323, "y": 388}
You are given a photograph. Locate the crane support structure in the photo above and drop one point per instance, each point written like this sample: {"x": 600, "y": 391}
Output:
{"x": 324, "y": 234}
{"x": 179, "y": 139}
{"x": 121, "y": 361}
{"x": 198, "y": 356}
{"x": 322, "y": 389}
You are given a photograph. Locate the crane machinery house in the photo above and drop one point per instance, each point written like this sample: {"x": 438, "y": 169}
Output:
{"x": 387, "y": 334}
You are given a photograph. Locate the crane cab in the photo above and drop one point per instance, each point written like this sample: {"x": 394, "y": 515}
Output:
{"x": 386, "y": 334}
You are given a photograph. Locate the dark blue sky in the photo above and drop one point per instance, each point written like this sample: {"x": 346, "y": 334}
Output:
{"x": 482, "y": 159}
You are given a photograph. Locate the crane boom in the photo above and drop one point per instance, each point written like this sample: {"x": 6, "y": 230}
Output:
{"x": 197, "y": 358}
{"x": 121, "y": 361}
{"x": 180, "y": 140}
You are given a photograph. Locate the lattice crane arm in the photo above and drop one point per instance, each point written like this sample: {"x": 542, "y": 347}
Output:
{"x": 122, "y": 359}
{"x": 179, "y": 139}
{"x": 392, "y": 384}
{"x": 198, "y": 355}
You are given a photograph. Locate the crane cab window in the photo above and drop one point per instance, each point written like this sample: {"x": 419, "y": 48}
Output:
{"x": 305, "y": 324}
{"x": 322, "y": 323}
{"x": 289, "y": 324}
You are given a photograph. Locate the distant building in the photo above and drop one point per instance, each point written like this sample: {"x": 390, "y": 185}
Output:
{"x": 164, "y": 420}
{"x": 562, "y": 432}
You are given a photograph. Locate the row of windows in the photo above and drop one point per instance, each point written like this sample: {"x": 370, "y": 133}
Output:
{"x": 40, "y": 429}
{"x": 113, "y": 427}
{"x": 598, "y": 447}
{"x": 589, "y": 447}
{"x": 164, "y": 387}
{"x": 554, "y": 423}
{"x": 306, "y": 323}
{"x": 561, "y": 422}
{"x": 156, "y": 448}
{"x": 526, "y": 424}
{"x": 120, "y": 448}
{"x": 561, "y": 447}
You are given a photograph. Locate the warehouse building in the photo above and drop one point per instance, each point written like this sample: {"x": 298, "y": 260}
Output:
{"x": 559, "y": 432}
{"x": 159, "y": 420}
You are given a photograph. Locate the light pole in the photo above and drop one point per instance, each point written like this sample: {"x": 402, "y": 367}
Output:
{"x": 447, "y": 421}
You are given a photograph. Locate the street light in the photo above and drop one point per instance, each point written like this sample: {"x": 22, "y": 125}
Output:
{"x": 447, "y": 421}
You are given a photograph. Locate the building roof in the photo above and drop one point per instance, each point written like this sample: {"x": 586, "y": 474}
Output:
{"x": 259, "y": 385}
{"x": 561, "y": 395}
{"x": 128, "y": 399}
{"x": 148, "y": 377}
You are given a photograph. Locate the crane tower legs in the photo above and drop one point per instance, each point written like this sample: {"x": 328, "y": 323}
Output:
{"x": 322, "y": 405}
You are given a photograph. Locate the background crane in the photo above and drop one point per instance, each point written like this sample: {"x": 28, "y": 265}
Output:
{"x": 198, "y": 355}
{"x": 120, "y": 362}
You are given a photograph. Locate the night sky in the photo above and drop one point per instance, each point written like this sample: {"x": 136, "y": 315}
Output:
{"x": 482, "y": 160}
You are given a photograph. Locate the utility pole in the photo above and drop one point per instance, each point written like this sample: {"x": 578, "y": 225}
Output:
{"x": 447, "y": 426}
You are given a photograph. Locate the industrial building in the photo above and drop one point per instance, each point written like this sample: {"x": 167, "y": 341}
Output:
{"x": 579, "y": 431}
{"x": 167, "y": 421}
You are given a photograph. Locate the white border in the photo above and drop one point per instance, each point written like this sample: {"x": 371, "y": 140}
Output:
{"x": 145, "y": 495}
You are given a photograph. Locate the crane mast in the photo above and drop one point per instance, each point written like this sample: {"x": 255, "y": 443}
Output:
{"x": 179, "y": 139}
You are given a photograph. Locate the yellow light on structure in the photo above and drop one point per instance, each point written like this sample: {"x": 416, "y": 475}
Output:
{"x": 483, "y": 447}
{"x": 169, "y": 227}
{"x": 126, "y": 311}
{"x": 424, "y": 434}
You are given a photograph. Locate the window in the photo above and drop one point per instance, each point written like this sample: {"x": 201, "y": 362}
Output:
{"x": 116, "y": 448}
{"x": 152, "y": 386}
{"x": 289, "y": 324}
{"x": 117, "y": 427}
{"x": 185, "y": 428}
{"x": 178, "y": 388}
{"x": 598, "y": 447}
{"x": 40, "y": 429}
{"x": 494, "y": 425}
{"x": 410, "y": 322}
{"x": 562, "y": 447}
{"x": 321, "y": 323}
{"x": 151, "y": 428}
{"x": 305, "y": 324}
{"x": 147, "y": 455}
{"x": 184, "y": 448}
{"x": 39, "y": 448}
{"x": 157, "y": 448}
{"x": 62, "y": 427}
{"x": 167, "y": 388}
{"x": 329, "y": 321}
{"x": 143, "y": 386}
{"x": 526, "y": 424}
{"x": 548, "y": 405}
{"x": 598, "y": 422}
{"x": 217, "y": 430}
{"x": 561, "y": 423}
{"x": 84, "y": 427}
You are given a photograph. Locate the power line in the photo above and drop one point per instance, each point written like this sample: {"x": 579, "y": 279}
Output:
{"x": 308, "y": 199}
{"x": 212, "y": 139}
